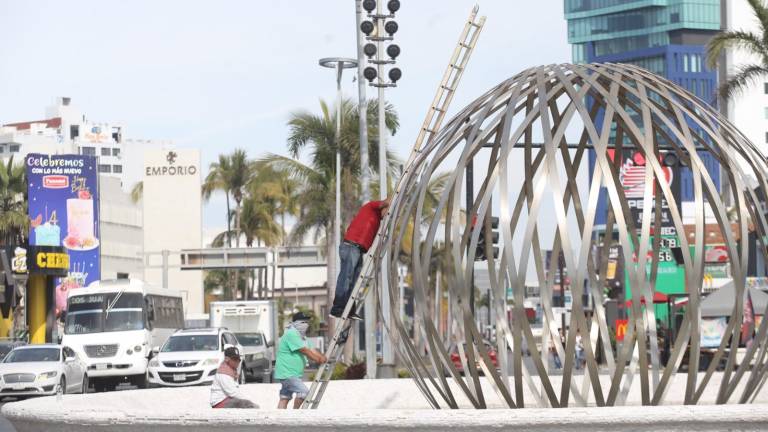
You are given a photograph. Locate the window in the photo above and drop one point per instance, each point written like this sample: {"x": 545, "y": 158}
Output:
{"x": 765, "y": 88}
{"x": 14, "y": 148}
{"x": 766, "y": 113}
{"x": 117, "y": 169}
{"x": 122, "y": 275}
{"x": 2, "y": 149}
{"x": 115, "y": 152}
{"x": 166, "y": 312}
{"x": 74, "y": 132}
{"x": 685, "y": 63}
{"x": 230, "y": 339}
{"x": 105, "y": 168}
{"x": 88, "y": 151}
{"x": 106, "y": 151}
{"x": 766, "y": 137}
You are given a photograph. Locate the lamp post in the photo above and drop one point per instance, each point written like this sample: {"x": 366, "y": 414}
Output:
{"x": 339, "y": 64}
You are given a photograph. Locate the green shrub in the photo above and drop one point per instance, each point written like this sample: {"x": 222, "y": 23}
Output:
{"x": 339, "y": 372}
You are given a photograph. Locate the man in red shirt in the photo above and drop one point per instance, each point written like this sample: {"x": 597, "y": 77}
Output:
{"x": 357, "y": 240}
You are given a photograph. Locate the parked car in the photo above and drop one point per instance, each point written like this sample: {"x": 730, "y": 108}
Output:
{"x": 454, "y": 353}
{"x": 257, "y": 356}
{"x": 37, "y": 370}
{"x": 6, "y": 347}
{"x": 191, "y": 357}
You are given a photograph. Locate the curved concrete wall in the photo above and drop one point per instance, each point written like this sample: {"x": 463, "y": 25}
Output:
{"x": 373, "y": 405}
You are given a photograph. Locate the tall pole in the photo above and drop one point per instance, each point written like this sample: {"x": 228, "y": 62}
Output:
{"x": 362, "y": 106}
{"x": 337, "y": 138}
{"x": 470, "y": 214}
{"x": 386, "y": 350}
{"x": 339, "y": 64}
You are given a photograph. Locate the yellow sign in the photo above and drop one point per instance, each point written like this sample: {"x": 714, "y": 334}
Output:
{"x": 52, "y": 260}
{"x": 48, "y": 260}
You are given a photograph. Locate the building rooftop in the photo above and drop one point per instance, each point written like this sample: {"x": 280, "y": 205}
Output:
{"x": 51, "y": 123}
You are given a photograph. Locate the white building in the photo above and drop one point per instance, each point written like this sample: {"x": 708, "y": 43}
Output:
{"x": 749, "y": 110}
{"x": 172, "y": 221}
{"x": 65, "y": 130}
{"x": 121, "y": 232}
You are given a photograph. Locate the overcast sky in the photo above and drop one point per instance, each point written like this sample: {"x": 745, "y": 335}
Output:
{"x": 226, "y": 74}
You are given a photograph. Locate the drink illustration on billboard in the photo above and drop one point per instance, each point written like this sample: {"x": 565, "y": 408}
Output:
{"x": 64, "y": 211}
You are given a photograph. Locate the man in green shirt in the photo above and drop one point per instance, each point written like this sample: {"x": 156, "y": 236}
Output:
{"x": 291, "y": 357}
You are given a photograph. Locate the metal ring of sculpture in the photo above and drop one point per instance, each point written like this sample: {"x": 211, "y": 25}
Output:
{"x": 543, "y": 123}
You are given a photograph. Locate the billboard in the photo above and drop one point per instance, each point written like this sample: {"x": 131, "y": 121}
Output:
{"x": 64, "y": 211}
{"x": 670, "y": 277}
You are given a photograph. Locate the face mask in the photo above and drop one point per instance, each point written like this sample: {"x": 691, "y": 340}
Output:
{"x": 301, "y": 327}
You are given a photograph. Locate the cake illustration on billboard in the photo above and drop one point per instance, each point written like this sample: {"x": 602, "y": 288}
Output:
{"x": 47, "y": 234}
{"x": 80, "y": 223}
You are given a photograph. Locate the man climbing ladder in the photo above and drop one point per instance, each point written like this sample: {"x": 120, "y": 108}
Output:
{"x": 357, "y": 240}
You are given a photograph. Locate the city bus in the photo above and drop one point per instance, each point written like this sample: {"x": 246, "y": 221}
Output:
{"x": 114, "y": 324}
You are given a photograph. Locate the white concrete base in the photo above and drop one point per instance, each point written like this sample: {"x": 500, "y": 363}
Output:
{"x": 370, "y": 405}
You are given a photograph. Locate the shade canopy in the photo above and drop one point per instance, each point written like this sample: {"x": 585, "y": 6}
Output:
{"x": 720, "y": 303}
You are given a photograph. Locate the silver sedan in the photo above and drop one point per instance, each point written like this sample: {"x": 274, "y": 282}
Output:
{"x": 37, "y": 370}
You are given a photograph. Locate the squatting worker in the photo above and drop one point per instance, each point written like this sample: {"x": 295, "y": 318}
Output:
{"x": 291, "y": 357}
{"x": 357, "y": 240}
{"x": 225, "y": 392}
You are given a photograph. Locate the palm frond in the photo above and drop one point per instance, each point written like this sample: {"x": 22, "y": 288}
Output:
{"x": 746, "y": 76}
{"x": 744, "y": 40}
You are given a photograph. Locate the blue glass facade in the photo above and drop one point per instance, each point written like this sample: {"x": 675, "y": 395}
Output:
{"x": 667, "y": 37}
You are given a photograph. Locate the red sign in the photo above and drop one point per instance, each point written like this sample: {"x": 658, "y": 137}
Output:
{"x": 621, "y": 329}
{"x": 55, "y": 182}
{"x": 716, "y": 254}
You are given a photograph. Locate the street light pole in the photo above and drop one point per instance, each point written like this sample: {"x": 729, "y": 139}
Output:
{"x": 339, "y": 64}
{"x": 387, "y": 356}
{"x": 362, "y": 105}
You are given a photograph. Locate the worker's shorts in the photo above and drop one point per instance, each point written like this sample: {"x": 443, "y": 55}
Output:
{"x": 292, "y": 386}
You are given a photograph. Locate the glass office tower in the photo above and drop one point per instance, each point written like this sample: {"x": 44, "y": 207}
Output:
{"x": 667, "y": 37}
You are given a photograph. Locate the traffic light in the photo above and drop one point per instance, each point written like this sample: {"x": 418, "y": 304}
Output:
{"x": 494, "y": 235}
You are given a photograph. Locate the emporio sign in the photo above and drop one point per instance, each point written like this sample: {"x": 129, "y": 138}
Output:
{"x": 171, "y": 169}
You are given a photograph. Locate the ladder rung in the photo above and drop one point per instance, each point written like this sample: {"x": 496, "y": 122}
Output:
{"x": 446, "y": 88}
{"x": 457, "y": 67}
{"x": 465, "y": 45}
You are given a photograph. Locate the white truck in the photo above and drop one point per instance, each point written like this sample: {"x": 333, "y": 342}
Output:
{"x": 254, "y": 323}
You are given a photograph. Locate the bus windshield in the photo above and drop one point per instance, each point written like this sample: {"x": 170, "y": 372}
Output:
{"x": 96, "y": 313}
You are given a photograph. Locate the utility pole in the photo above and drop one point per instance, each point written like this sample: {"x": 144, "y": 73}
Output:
{"x": 380, "y": 30}
{"x": 362, "y": 106}
{"x": 470, "y": 215}
{"x": 560, "y": 267}
{"x": 387, "y": 355}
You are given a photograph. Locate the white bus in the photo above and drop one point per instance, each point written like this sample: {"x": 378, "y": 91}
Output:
{"x": 114, "y": 324}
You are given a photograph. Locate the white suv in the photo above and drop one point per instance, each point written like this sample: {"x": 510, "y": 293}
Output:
{"x": 191, "y": 357}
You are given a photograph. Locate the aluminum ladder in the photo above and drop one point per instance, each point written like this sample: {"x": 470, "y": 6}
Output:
{"x": 431, "y": 126}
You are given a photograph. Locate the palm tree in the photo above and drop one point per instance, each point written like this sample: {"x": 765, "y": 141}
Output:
{"x": 231, "y": 174}
{"x": 750, "y": 42}
{"x": 14, "y": 222}
{"x": 317, "y": 134}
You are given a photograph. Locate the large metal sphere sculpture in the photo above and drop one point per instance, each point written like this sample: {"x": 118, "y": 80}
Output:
{"x": 532, "y": 137}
